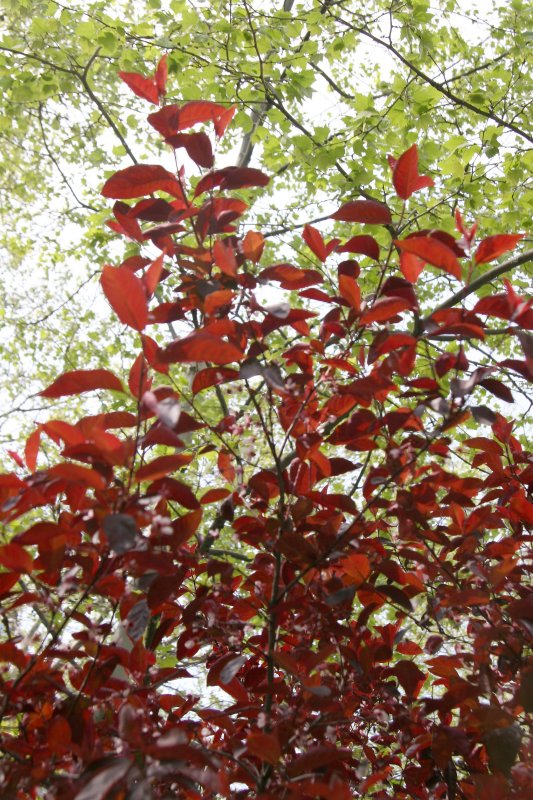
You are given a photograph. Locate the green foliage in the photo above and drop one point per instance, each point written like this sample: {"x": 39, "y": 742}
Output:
{"x": 320, "y": 90}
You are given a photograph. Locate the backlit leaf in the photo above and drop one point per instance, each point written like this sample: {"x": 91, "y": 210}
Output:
{"x": 126, "y": 295}
{"x": 82, "y": 380}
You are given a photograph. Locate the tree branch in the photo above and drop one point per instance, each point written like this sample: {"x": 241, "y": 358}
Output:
{"x": 435, "y": 84}
{"x": 487, "y": 277}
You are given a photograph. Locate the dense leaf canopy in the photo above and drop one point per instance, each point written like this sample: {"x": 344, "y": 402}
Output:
{"x": 266, "y": 297}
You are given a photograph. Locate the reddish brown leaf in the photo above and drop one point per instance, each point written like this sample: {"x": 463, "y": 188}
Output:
{"x": 291, "y": 277}
{"x": 265, "y": 746}
{"x": 82, "y": 380}
{"x": 405, "y": 175}
{"x": 225, "y": 669}
{"x": 409, "y": 676}
{"x": 365, "y": 211}
{"x": 126, "y": 296}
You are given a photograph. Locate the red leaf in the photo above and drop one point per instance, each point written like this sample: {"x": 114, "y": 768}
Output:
{"x": 315, "y": 242}
{"x": 349, "y": 289}
{"x": 212, "y": 376}
{"x": 222, "y": 122}
{"x": 366, "y": 211}
{"x": 316, "y": 757}
{"x": 265, "y": 746}
{"x": 82, "y": 380}
{"x": 291, "y": 277}
{"x": 73, "y": 473}
{"x": 14, "y": 558}
{"x": 162, "y": 466}
{"x": 152, "y": 275}
{"x": 98, "y": 787}
{"x": 384, "y": 309}
{"x": 224, "y": 257}
{"x": 411, "y": 266}
{"x": 357, "y": 566}
{"x": 494, "y": 246}
{"x": 201, "y": 347}
{"x": 31, "y": 449}
{"x": 409, "y": 676}
{"x": 126, "y": 296}
{"x": 173, "y": 118}
{"x": 197, "y": 145}
{"x": 232, "y": 178}
{"x": 141, "y": 86}
{"x": 214, "y": 496}
{"x": 141, "y": 179}
{"x": 498, "y": 389}
{"x": 225, "y": 668}
{"x": 161, "y": 75}
{"x": 253, "y": 245}
{"x": 433, "y": 252}
{"x": 366, "y": 245}
{"x": 405, "y": 176}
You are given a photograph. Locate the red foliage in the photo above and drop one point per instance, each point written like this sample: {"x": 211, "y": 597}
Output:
{"x": 354, "y": 579}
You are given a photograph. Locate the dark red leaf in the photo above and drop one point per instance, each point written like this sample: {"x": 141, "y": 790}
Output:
{"x": 265, "y": 746}
{"x": 98, "y": 787}
{"x": 197, "y": 145}
{"x": 126, "y": 295}
{"x": 291, "y": 277}
{"x": 173, "y": 118}
{"x": 82, "y": 380}
{"x": 498, "y": 389}
{"x": 225, "y": 669}
{"x": 405, "y": 175}
{"x": 409, "y": 676}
